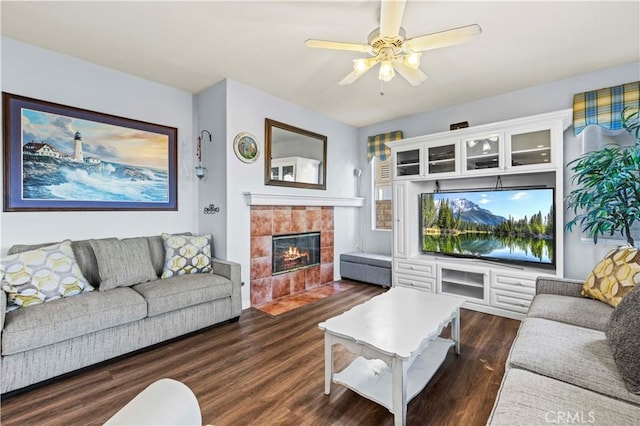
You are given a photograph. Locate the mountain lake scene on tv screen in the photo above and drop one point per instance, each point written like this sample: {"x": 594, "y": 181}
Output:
{"x": 66, "y": 158}
{"x": 511, "y": 225}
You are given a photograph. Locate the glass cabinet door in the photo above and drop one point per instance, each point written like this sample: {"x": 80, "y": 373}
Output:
{"x": 482, "y": 152}
{"x": 408, "y": 163}
{"x": 530, "y": 148}
{"x": 441, "y": 159}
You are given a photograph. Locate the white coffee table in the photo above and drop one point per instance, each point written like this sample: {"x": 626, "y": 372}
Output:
{"x": 396, "y": 335}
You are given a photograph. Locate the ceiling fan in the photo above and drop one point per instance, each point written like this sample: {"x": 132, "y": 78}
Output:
{"x": 388, "y": 46}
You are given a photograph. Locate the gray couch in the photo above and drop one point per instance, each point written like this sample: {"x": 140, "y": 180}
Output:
{"x": 560, "y": 369}
{"x": 43, "y": 341}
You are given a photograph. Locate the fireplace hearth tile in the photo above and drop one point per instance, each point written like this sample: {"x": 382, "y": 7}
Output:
{"x": 327, "y": 218}
{"x": 326, "y": 255}
{"x": 261, "y": 223}
{"x": 314, "y": 220}
{"x": 298, "y": 281}
{"x": 260, "y": 267}
{"x": 281, "y": 285}
{"x": 326, "y": 239}
{"x": 298, "y": 221}
{"x": 326, "y": 273}
{"x": 312, "y": 277}
{"x": 294, "y": 301}
{"x": 260, "y": 247}
{"x": 260, "y": 291}
{"x": 282, "y": 221}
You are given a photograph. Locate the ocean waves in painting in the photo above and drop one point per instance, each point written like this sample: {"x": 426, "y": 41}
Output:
{"x": 47, "y": 178}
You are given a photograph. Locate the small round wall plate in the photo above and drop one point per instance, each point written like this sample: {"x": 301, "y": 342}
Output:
{"x": 246, "y": 147}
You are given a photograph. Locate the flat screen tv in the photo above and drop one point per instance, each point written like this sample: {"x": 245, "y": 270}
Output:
{"x": 510, "y": 225}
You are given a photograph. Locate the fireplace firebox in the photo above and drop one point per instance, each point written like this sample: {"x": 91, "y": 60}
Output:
{"x": 296, "y": 251}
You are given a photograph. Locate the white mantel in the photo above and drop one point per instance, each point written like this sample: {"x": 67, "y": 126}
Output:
{"x": 258, "y": 199}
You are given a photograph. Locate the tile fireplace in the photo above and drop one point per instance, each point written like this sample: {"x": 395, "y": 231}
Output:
{"x": 295, "y": 252}
{"x": 272, "y": 224}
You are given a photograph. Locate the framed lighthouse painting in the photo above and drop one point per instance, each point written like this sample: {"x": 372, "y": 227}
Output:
{"x": 58, "y": 157}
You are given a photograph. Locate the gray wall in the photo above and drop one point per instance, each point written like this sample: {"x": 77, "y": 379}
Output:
{"x": 579, "y": 256}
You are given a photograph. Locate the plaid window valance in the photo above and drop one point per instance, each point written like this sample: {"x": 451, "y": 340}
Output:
{"x": 376, "y": 144}
{"x": 604, "y": 106}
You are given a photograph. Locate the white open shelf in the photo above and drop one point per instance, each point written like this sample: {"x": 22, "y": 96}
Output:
{"x": 372, "y": 378}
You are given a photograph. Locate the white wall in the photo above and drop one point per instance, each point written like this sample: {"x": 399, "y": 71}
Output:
{"x": 579, "y": 256}
{"x": 37, "y": 73}
{"x": 247, "y": 109}
{"x": 212, "y": 189}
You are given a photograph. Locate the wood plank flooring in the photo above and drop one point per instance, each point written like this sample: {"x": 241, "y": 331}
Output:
{"x": 263, "y": 370}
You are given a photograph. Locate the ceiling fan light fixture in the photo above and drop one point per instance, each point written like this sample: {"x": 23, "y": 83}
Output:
{"x": 361, "y": 66}
{"x": 412, "y": 59}
{"x": 386, "y": 71}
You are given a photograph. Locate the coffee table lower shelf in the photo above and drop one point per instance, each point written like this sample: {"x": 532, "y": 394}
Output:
{"x": 372, "y": 378}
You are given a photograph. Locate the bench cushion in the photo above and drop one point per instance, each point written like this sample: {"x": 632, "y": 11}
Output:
{"x": 63, "y": 319}
{"x": 179, "y": 292}
{"x": 380, "y": 260}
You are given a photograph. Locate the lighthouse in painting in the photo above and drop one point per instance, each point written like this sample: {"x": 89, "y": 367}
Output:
{"x": 78, "y": 154}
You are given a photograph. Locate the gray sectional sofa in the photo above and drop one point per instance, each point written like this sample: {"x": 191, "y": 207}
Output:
{"x": 46, "y": 340}
{"x": 561, "y": 369}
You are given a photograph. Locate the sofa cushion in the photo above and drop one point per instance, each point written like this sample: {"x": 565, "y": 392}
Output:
{"x": 576, "y": 355}
{"x": 71, "y": 317}
{"x": 42, "y": 275}
{"x": 616, "y": 274}
{"x": 532, "y": 399}
{"x": 623, "y": 333}
{"x": 182, "y": 291}
{"x": 578, "y": 311}
{"x": 186, "y": 254}
{"x": 123, "y": 262}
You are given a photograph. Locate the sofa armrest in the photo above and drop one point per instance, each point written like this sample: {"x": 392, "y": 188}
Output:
{"x": 230, "y": 270}
{"x": 560, "y": 286}
{"x": 3, "y": 310}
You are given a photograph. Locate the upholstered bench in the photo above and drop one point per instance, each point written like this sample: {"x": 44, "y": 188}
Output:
{"x": 366, "y": 267}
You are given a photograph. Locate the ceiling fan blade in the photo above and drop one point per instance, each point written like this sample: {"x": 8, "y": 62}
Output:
{"x": 414, "y": 76}
{"x": 442, "y": 39}
{"x": 391, "y": 12}
{"x": 337, "y": 45}
{"x": 361, "y": 66}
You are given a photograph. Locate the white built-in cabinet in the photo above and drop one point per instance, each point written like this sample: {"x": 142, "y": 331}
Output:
{"x": 521, "y": 152}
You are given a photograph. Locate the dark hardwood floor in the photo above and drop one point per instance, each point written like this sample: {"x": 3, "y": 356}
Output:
{"x": 263, "y": 370}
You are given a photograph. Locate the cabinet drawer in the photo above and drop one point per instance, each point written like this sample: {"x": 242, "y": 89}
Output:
{"x": 422, "y": 269}
{"x": 516, "y": 302}
{"x": 519, "y": 284}
{"x": 421, "y": 283}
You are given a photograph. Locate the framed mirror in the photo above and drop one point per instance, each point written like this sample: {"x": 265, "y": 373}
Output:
{"x": 294, "y": 157}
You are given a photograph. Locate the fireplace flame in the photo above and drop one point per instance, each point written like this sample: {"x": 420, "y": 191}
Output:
{"x": 293, "y": 254}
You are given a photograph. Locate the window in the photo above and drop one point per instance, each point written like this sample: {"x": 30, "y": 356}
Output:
{"x": 381, "y": 212}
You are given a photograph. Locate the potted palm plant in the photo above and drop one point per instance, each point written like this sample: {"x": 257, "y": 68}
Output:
{"x": 607, "y": 200}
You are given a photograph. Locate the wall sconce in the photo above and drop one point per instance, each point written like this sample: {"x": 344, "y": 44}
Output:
{"x": 200, "y": 171}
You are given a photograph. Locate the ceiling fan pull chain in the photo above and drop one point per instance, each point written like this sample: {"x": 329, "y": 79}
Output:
{"x": 381, "y": 87}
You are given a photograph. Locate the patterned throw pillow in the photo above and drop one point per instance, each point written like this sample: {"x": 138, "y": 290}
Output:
{"x": 615, "y": 276}
{"x": 185, "y": 254}
{"x": 623, "y": 335}
{"x": 41, "y": 275}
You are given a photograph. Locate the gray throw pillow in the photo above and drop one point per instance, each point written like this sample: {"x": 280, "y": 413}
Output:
{"x": 123, "y": 263}
{"x": 623, "y": 333}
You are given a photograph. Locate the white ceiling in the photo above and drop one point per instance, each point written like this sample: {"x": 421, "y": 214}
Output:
{"x": 193, "y": 45}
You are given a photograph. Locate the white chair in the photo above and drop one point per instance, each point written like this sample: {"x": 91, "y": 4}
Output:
{"x": 165, "y": 402}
